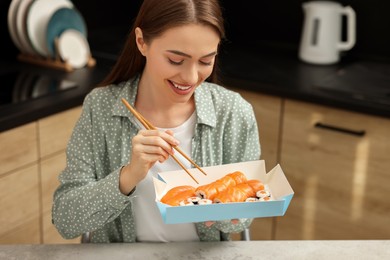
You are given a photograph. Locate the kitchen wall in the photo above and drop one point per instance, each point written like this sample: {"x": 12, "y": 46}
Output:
{"x": 8, "y": 48}
{"x": 277, "y": 21}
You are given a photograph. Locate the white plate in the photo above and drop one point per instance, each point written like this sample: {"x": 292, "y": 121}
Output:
{"x": 11, "y": 19}
{"x": 61, "y": 20}
{"x": 37, "y": 18}
{"x": 73, "y": 48}
{"x": 21, "y": 27}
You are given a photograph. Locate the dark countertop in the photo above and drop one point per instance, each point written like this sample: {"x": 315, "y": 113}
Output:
{"x": 20, "y": 81}
{"x": 355, "y": 85}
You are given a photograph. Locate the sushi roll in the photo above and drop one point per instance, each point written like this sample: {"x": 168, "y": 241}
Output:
{"x": 177, "y": 191}
{"x": 209, "y": 191}
{"x": 183, "y": 196}
{"x": 194, "y": 200}
{"x": 263, "y": 194}
{"x": 256, "y": 185}
{"x": 246, "y": 190}
{"x": 186, "y": 203}
{"x": 233, "y": 194}
{"x": 238, "y": 177}
{"x": 204, "y": 201}
{"x": 251, "y": 199}
{"x": 265, "y": 199}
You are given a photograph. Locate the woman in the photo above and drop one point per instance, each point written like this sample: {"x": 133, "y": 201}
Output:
{"x": 165, "y": 70}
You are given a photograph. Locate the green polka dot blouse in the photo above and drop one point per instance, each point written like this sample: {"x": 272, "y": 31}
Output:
{"x": 88, "y": 197}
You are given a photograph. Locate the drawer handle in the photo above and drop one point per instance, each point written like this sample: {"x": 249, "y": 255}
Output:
{"x": 340, "y": 129}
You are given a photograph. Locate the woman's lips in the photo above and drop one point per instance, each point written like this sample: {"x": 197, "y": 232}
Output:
{"x": 180, "y": 89}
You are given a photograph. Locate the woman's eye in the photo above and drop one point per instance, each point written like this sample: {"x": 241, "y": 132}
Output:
{"x": 175, "y": 62}
{"x": 207, "y": 63}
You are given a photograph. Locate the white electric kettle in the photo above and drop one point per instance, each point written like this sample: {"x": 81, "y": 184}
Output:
{"x": 321, "y": 41}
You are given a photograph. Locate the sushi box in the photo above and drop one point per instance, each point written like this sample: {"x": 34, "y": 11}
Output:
{"x": 275, "y": 181}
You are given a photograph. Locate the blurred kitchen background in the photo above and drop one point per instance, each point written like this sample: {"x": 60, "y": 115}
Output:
{"x": 276, "y": 22}
{"x": 327, "y": 125}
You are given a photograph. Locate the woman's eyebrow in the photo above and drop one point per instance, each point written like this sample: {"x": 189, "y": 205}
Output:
{"x": 189, "y": 56}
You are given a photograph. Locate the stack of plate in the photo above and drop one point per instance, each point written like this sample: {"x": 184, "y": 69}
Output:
{"x": 49, "y": 29}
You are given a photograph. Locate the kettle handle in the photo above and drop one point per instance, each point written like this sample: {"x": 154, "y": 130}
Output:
{"x": 351, "y": 29}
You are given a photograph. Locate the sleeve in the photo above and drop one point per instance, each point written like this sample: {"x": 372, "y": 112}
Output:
{"x": 82, "y": 203}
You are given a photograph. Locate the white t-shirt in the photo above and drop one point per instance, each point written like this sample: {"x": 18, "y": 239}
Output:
{"x": 149, "y": 224}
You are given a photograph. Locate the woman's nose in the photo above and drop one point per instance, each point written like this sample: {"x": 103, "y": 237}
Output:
{"x": 191, "y": 75}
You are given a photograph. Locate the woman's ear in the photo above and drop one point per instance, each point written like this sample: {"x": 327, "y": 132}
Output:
{"x": 139, "y": 40}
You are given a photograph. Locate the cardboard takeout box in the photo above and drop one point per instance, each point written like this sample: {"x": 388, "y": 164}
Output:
{"x": 275, "y": 179}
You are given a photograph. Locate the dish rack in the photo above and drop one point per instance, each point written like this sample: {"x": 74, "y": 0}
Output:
{"x": 55, "y": 63}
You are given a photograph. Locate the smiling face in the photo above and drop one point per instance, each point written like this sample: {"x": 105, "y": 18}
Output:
{"x": 178, "y": 61}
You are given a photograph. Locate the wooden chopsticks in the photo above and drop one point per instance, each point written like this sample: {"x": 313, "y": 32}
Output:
{"x": 149, "y": 126}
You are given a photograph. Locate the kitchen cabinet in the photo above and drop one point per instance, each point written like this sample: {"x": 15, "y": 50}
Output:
{"x": 19, "y": 147}
{"x": 337, "y": 163}
{"x": 19, "y": 203}
{"x": 54, "y": 134}
{"x": 19, "y": 192}
{"x": 268, "y": 113}
{"x": 55, "y": 131}
{"x": 35, "y": 155}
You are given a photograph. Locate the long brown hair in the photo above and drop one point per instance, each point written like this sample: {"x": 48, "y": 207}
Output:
{"x": 154, "y": 18}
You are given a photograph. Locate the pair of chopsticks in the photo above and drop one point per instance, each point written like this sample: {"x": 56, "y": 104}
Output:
{"x": 149, "y": 126}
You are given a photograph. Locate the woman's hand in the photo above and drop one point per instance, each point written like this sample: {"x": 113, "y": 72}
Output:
{"x": 148, "y": 147}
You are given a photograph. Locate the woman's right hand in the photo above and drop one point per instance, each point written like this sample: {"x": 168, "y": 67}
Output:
{"x": 148, "y": 147}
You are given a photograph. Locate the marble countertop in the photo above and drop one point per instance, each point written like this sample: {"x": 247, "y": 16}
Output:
{"x": 237, "y": 250}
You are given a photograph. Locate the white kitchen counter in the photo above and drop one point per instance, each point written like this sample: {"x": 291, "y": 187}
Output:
{"x": 237, "y": 250}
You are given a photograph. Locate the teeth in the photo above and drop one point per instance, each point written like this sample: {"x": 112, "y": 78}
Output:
{"x": 181, "y": 87}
